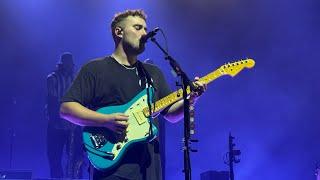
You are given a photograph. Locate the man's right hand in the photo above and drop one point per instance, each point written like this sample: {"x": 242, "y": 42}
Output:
{"x": 80, "y": 115}
{"x": 117, "y": 122}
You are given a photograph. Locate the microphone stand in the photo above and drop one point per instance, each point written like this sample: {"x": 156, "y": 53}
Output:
{"x": 232, "y": 156}
{"x": 185, "y": 83}
{"x": 12, "y": 135}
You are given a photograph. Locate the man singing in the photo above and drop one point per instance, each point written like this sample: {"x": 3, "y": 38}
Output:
{"x": 114, "y": 80}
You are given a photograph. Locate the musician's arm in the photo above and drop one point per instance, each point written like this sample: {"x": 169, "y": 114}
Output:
{"x": 52, "y": 99}
{"x": 80, "y": 115}
{"x": 175, "y": 112}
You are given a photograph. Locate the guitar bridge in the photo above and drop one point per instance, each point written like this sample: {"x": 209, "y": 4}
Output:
{"x": 98, "y": 140}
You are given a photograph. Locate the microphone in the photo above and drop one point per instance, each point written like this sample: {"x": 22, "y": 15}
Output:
{"x": 149, "y": 35}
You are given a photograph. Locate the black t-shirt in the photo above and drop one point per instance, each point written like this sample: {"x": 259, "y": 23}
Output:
{"x": 104, "y": 82}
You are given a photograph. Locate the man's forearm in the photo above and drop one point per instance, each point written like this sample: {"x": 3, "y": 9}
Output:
{"x": 175, "y": 112}
{"x": 80, "y": 115}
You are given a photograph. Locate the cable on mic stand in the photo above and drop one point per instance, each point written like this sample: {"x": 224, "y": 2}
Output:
{"x": 185, "y": 83}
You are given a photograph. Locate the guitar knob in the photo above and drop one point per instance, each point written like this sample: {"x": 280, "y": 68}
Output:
{"x": 126, "y": 139}
{"x": 118, "y": 146}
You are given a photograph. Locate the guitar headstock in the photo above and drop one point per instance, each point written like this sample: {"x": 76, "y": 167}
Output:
{"x": 234, "y": 68}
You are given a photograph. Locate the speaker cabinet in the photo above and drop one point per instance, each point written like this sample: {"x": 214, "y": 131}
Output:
{"x": 215, "y": 175}
{"x": 15, "y": 174}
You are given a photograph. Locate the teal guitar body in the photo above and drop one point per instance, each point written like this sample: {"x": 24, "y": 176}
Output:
{"x": 106, "y": 148}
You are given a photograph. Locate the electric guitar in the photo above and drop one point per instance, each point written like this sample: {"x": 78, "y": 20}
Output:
{"x": 105, "y": 148}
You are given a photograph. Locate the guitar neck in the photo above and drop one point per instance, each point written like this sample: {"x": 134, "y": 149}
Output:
{"x": 177, "y": 95}
{"x": 231, "y": 69}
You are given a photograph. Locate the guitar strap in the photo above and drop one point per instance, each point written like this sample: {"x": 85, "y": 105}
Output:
{"x": 148, "y": 83}
{"x": 144, "y": 76}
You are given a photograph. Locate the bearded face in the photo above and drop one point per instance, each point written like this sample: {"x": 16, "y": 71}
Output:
{"x": 133, "y": 29}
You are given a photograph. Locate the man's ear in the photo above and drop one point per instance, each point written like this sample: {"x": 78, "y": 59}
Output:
{"x": 118, "y": 32}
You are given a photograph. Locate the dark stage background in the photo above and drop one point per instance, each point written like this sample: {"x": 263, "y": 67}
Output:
{"x": 271, "y": 109}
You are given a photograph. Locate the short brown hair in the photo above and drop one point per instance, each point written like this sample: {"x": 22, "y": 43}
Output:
{"x": 118, "y": 17}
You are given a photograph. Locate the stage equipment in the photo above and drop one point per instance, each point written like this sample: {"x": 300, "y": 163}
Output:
{"x": 16, "y": 174}
{"x": 232, "y": 156}
{"x": 214, "y": 175}
{"x": 187, "y": 85}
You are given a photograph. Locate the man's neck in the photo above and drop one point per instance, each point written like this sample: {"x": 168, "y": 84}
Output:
{"x": 124, "y": 58}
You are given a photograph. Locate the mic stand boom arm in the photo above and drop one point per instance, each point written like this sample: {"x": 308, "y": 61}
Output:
{"x": 185, "y": 83}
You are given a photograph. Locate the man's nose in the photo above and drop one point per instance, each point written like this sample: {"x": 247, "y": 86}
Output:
{"x": 144, "y": 32}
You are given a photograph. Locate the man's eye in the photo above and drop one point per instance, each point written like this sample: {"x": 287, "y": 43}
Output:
{"x": 138, "y": 27}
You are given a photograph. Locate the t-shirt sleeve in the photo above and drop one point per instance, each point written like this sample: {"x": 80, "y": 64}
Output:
{"x": 82, "y": 88}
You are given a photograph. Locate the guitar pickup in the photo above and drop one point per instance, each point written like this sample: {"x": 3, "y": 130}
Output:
{"x": 139, "y": 117}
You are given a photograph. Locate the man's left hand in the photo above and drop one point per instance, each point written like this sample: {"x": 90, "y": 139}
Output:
{"x": 201, "y": 87}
